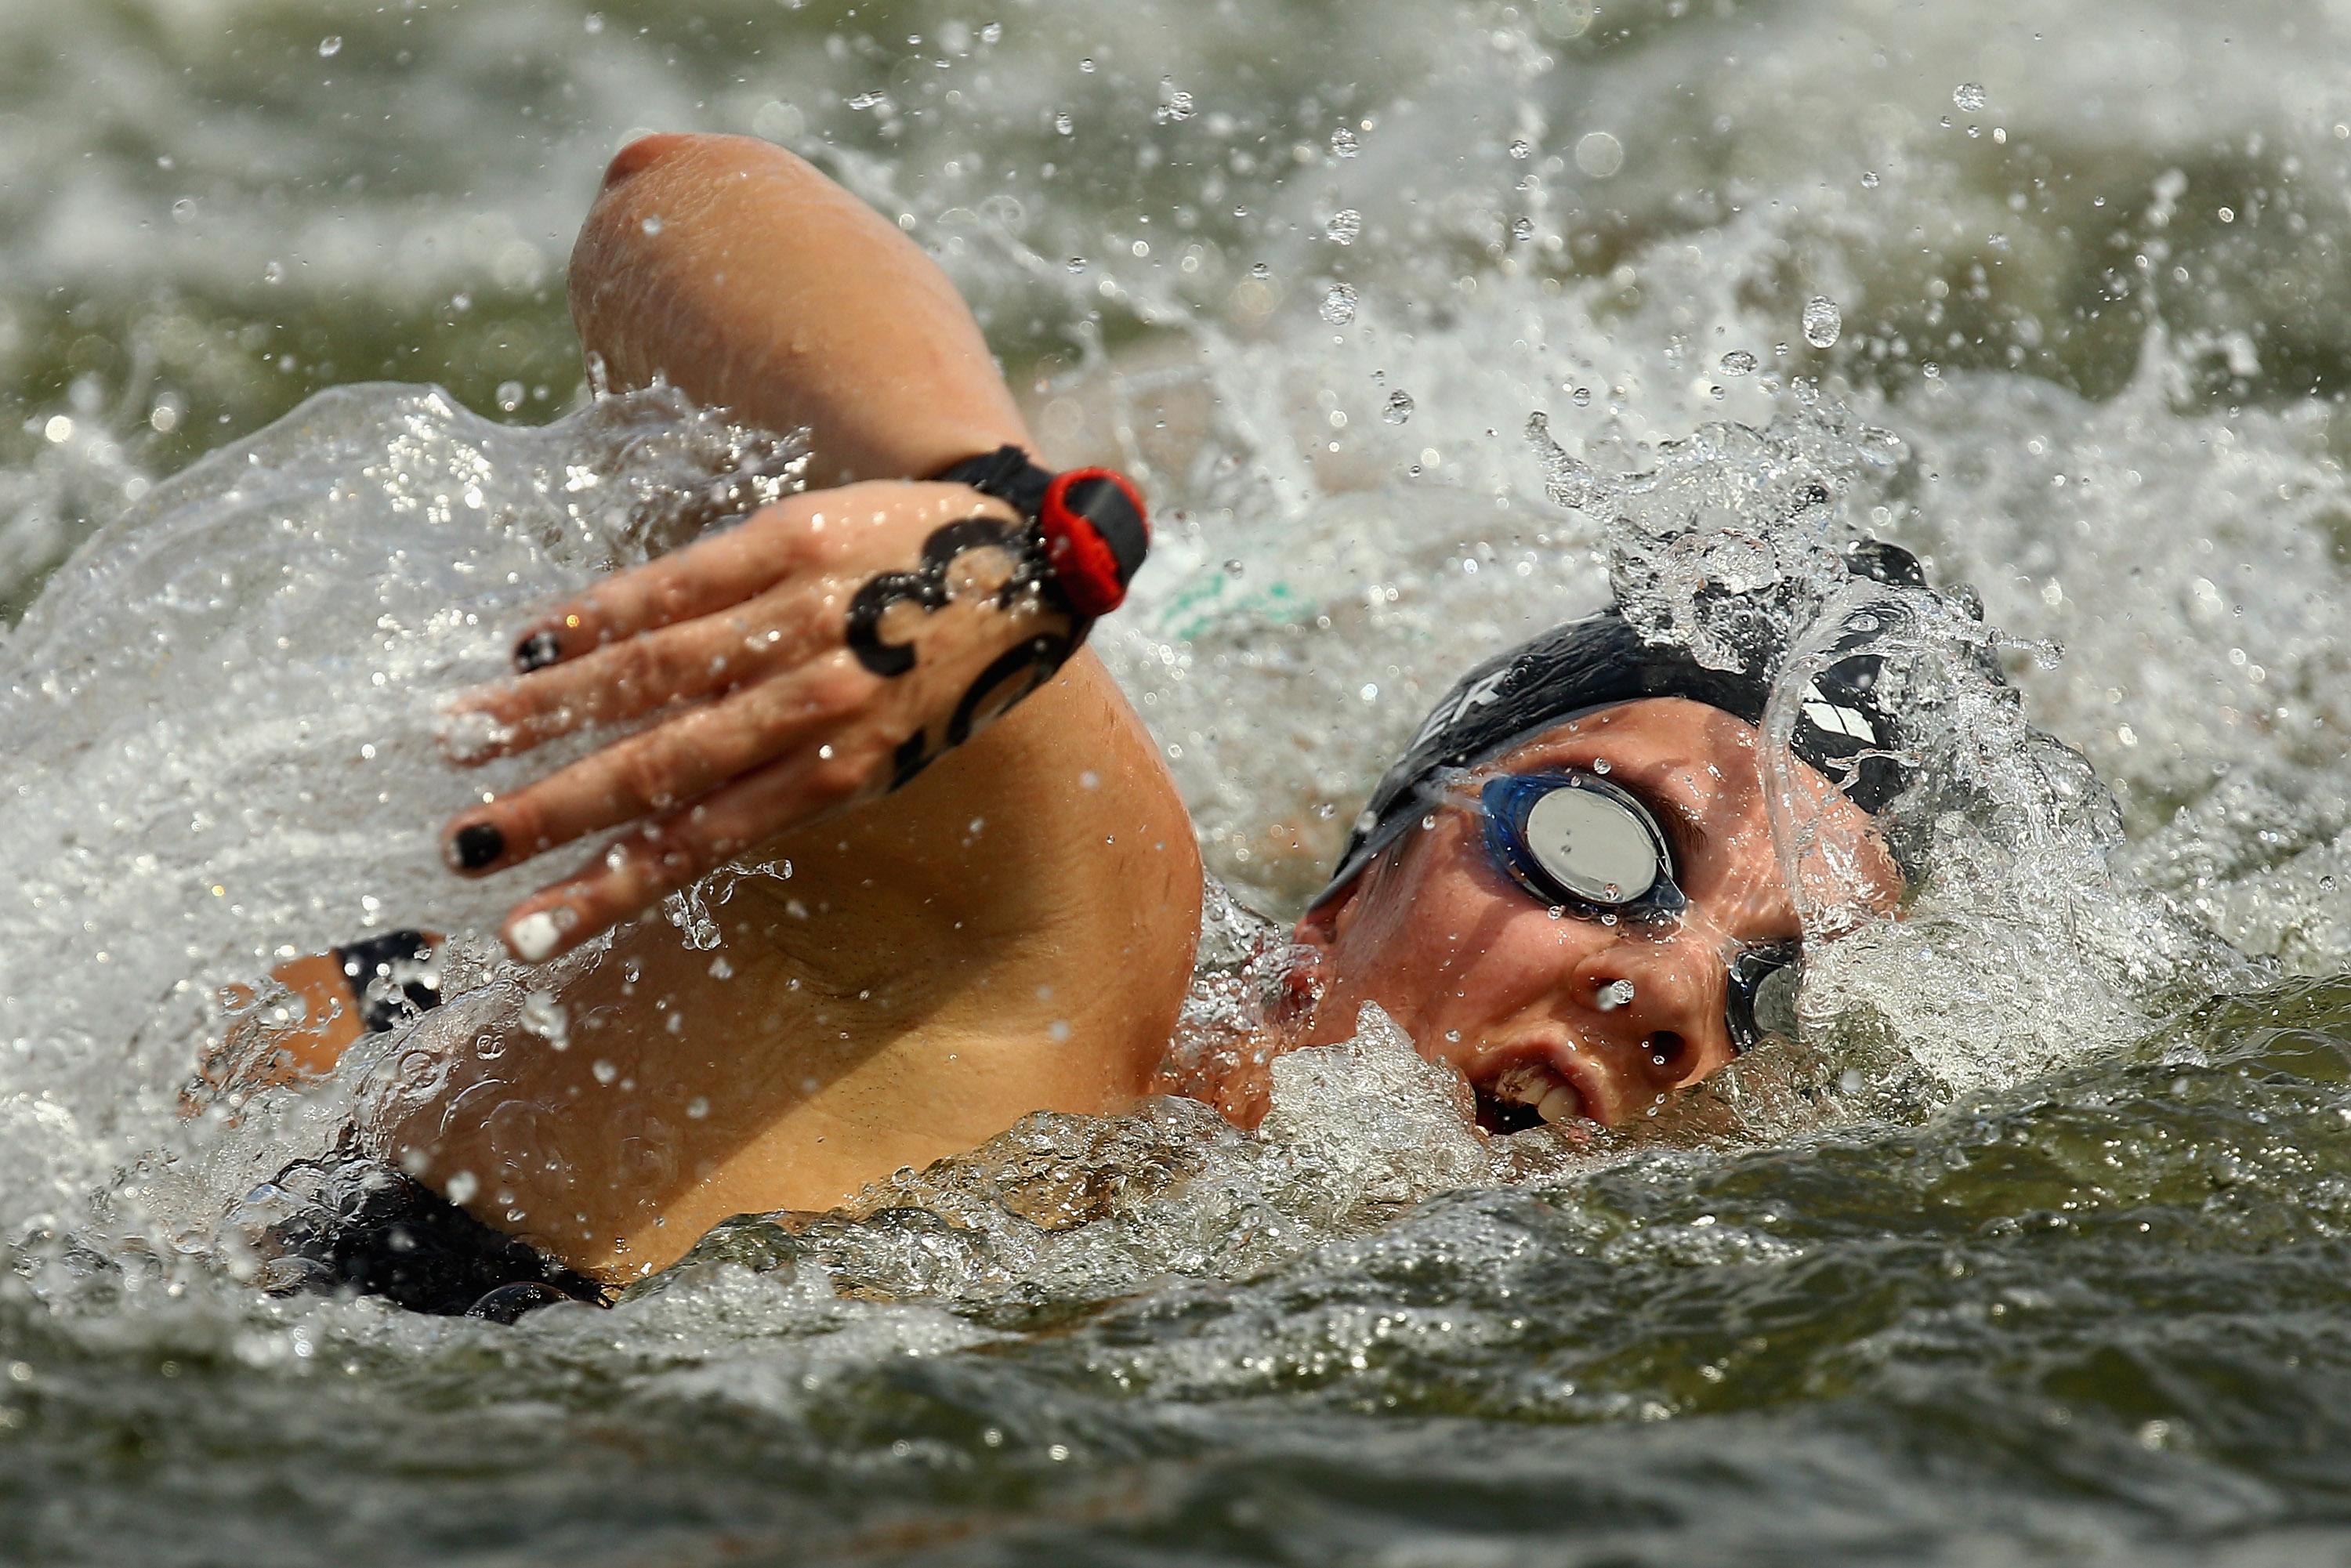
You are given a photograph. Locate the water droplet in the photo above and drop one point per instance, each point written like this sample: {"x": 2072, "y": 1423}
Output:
{"x": 652, "y": 225}
{"x": 1869, "y": 181}
{"x": 993, "y": 33}
{"x": 1822, "y": 321}
{"x": 1345, "y": 225}
{"x": 1399, "y": 407}
{"x": 1599, "y": 154}
{"x": 183, "y": 210}
{"x": 1260, "y": 270}
{"x": 1600, "y": 766}
{"x": 1580, "y": 397}
{"x": 543, "y": 1016}
{"x": 1613, "y": 995}
{"x": 1522, "y": 229}
{"x": 509, "y": 396}
{"x": 1343, "y": 143}
{"x": 1062, "y": 123}
{"x": 1339, "y": 304}
{"x": 1175, "y": 104}
{"x": 1566, "y": 18}
{"x": 1087, "y": 65}
{"x": 1738, "y": 363}
{"x": 330, "y": 45}
{"x": 1077, "y": 264}
{"x": 1970, "y": 96}
{"x": 1521, "y": 149}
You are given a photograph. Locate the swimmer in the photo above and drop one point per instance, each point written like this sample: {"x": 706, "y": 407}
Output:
{"x": 987, "y": 891}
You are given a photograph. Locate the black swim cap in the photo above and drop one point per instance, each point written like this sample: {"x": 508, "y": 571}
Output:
{"x": 1601, "y": 660}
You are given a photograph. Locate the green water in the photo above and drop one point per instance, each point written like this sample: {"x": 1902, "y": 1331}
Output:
{"x": 2069, "y": 1283}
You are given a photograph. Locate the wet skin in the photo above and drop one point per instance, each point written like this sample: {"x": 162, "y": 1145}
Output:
{"x": 1013, "y": 930}
{"x": 1485, "y": 977}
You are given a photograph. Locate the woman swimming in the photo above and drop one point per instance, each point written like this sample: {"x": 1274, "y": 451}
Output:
{"x": 1569, "y": 888}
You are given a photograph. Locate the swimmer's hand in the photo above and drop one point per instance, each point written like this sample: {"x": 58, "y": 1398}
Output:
{"x": 819, "y": 654}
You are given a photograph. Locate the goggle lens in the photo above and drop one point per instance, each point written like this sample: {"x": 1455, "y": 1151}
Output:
{"x": 1592, "y": 845}
{"x": 1579, "y": 841}
{"x": 1764, "y": 983}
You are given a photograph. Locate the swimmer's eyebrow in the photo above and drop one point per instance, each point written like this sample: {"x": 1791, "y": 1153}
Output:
{"x": 1685, "y": 823}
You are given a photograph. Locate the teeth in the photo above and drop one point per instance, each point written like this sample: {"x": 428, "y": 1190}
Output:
{"x": 1561, "y": 1104}
{"x": 1525, "y": 1084}
{"x": 1531, "y": 1084}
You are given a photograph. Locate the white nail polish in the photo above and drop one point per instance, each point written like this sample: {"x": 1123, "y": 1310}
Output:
{"x": 533, "y": 936}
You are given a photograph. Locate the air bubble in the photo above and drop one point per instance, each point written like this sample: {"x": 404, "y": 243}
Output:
{"x": 1399, "y": 407}
{"x": 510, "y": 395}
{"x": 1599, "y": 154}
{"x": 1339, "y": 304}
{"x": 1970, "y": 96}
{"x": 1343, "y": 143}
{"x": 1345, "y": 225}
{"x": 1738, "y": 363}
{"x": 1823, "y": 323}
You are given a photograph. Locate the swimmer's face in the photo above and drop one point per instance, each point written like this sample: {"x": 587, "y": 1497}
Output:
{"x": 1527, "y": 1001}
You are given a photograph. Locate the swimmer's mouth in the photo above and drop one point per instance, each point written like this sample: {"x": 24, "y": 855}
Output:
{"x": 1531, "y": 1092}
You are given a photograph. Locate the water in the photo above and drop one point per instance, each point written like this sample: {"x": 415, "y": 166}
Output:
{"x": 2034, "y": 1250}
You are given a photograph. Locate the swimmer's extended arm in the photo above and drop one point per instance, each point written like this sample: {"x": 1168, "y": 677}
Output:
{"x": 822, "y": 652}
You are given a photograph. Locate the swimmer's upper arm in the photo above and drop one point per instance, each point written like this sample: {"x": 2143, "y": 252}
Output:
{"x": 266, "y": 1049}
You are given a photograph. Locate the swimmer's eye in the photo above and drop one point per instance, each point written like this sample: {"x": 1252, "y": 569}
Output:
{"x": 1580, "y": 842}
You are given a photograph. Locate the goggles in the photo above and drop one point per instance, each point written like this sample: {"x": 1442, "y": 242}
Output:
{"x": 1582, "y": 844}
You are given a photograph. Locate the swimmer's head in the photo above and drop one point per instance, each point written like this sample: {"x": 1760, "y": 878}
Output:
{"x": 1569, "y": 885}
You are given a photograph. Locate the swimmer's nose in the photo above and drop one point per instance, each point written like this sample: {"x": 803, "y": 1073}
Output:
{"x": 642, "y": 154}
{"x": 1658, "y": 1007}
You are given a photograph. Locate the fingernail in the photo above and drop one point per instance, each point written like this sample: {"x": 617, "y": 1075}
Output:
{"x": 480, "y": 844}
{"x": 533, "y": 936}
{"x": 536, "y": 651}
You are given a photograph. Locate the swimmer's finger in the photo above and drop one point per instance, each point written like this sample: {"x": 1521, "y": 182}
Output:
{"x": 627, "y": 680}
{"x": 659, "y": 769}
{"x": 709, "y": 575}
{"x": 678, "y": 850}
{"x": 855, "y": 528}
